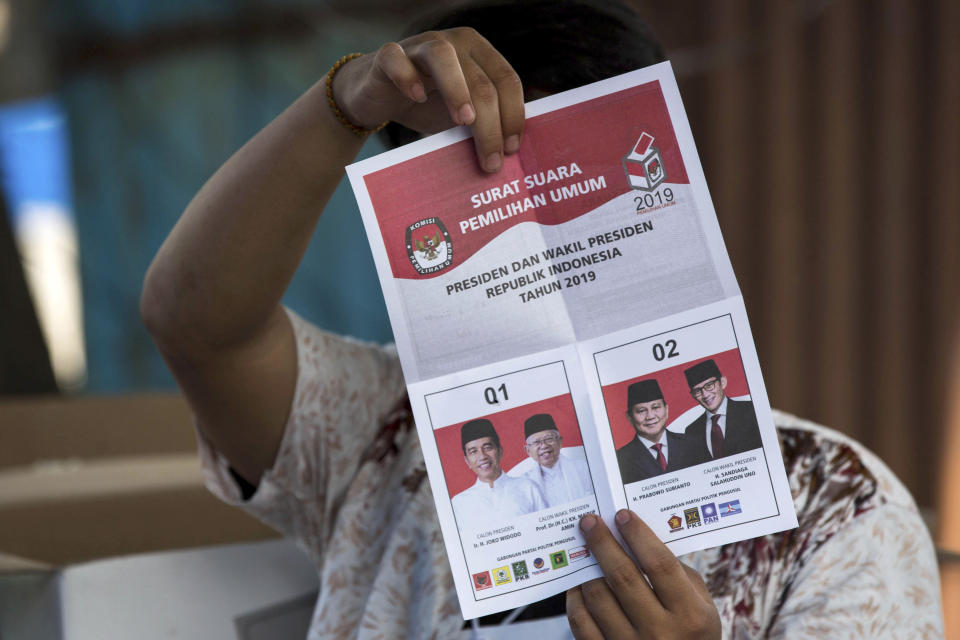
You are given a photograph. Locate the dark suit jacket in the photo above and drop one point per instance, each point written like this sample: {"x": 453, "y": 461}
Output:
{"x": 636, "y": 463}
{"x": 741, "y": 433}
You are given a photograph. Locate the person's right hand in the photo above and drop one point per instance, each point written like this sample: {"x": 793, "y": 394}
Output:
{"x": 433, "y": 81}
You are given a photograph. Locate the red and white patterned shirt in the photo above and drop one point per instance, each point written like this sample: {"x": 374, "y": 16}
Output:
{"x": 349, "y": 486}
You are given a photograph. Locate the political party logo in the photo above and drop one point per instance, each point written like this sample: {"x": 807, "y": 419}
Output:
{"x": 520, "y": 571}
{"x": 578, "y": 553}
{"x": 675, "y": 523}
{"x": 558, "y": 559}
{"x": 501, "y": 575}
{"x": 731, "y": 508}
{"x": 692, "y": 516}
{"x": 709, "y": 513}
{"x": 429, "y": 248}
{"x": 538, "y": 566}
{"x": 643, "y": 165}
{"x": 482, "y": 581}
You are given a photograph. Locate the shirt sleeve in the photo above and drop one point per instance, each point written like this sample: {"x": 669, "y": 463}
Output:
{"x": 875, "y": 578}
{"x": 345, "y": 391}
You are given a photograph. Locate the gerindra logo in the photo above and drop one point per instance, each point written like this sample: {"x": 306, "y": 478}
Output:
{"x": 428, "y": 246}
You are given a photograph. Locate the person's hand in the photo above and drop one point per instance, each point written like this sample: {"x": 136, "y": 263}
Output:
{"x": 433, "y": 81}
{"x": 674, "y": 604}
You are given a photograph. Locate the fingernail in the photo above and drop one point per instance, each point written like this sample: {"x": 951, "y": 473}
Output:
{"x": 418, "y": 92}
{"x": 511, "y": 144}
{"x": 588, "y": 522}
{"x": 623, "y": 516}
{"x": 467, "y": 114}
{"x": 493, "y": 162}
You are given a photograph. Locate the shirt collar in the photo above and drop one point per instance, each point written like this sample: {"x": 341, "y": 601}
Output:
{"x": 721, "y": 410}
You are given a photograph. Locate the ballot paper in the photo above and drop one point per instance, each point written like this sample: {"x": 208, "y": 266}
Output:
{"x": 568, "y": 328}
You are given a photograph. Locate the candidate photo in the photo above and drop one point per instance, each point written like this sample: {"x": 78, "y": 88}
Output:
{"x": 561, "y": 473}
{"x": 727, "y": 426}
{"x": 653, "y": 450}
{"x": 494, "y": 496}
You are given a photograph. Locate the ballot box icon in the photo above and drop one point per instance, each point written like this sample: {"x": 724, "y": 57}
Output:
{"x": 643, "y": 165}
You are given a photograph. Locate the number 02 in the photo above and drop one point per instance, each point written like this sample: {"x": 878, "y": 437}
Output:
{"x": 666, "y": 350}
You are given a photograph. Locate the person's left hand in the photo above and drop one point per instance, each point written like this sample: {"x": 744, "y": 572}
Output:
{"x": 674, "y": 603}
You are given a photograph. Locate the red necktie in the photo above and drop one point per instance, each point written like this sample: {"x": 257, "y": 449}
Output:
{"x": 716, "y": 436}
{"x": 660, "y": 457}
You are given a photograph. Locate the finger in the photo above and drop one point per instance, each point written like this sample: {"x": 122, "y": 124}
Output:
{"x": 509, "y": 92}
{"x": 605, "y": 610}
{"x": 697, "y": 581}
{"x": 626, "y": 582}
{"x": 487, "y": 134}
{"x": 397, "y": 67}
{"x": 665, "y": 572}
{"x": 581, "y": 622}
{"x": 438, "y": 58}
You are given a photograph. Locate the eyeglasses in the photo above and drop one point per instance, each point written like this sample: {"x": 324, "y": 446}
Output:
{"x": 709, "y": 387}
{"x": 548, "y": 440}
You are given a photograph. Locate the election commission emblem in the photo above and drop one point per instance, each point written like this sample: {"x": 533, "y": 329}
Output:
{"x": 501, "y": 575}
{"x": 482, "y": 580}
{"x": 643, "y": 165}
{"x": 675, "y": 523}
{"x": 429, "y": 248}
{"x": 692, "y": 516}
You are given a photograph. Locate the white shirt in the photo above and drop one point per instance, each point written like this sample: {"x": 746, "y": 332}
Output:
{"x": 567, "y": 480}
{"x": 484, "y": 506}
{"x": 650, "y": 444}
{"x": 722, "y": 412}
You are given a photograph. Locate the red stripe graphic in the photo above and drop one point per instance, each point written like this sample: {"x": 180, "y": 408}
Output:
{"x": 592, "y": 136}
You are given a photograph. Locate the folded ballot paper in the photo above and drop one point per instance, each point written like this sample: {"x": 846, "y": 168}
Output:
{"x": 573, "y": 340}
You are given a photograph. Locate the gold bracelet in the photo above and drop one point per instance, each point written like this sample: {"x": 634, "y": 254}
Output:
{"x": 360, "y": 132}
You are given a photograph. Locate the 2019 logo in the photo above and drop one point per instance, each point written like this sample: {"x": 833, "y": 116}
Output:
{"x": 429, "y": 248}
{"x": 643, "y": 165}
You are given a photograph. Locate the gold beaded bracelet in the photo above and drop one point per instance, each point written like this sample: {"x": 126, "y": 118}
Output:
{"x": 360, "y": 132}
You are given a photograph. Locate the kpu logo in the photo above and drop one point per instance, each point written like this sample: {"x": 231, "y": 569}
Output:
{"x": 429, "y": 248}
{"x": 643, "y": 165}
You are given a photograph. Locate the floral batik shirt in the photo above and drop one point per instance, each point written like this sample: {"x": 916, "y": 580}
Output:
{"x": 349, "y": 487}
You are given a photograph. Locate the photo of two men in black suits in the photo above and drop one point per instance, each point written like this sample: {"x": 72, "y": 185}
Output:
{"x": 726, "y": 427}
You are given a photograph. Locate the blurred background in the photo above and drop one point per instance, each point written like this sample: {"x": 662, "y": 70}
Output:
{"x": 828, "y": 131}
